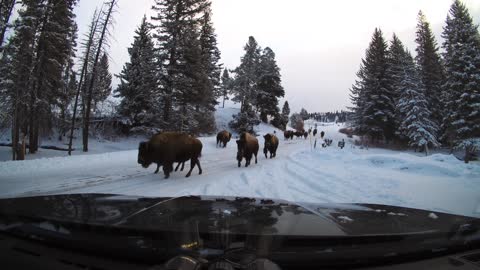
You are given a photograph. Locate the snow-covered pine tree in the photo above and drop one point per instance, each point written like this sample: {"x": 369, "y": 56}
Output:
{"x": 280, "y": 120}
{"x": 371, "y": 95}
{"x": 396, "y": 61}
{"x": 245, "y": 121}
{"x": 247, "y": 76}
{"x": 296, "y": 121}
{"x": 269, "y": 87}
{"x": 138, "y": 84}
{"x": 225, "y": 86}
{"x": 103, "y": 82}
{"x": 430, "y": 67}
{"x": 6, "y": 10}
{"x": 286, "y": 110}
{"x": 40, "y": 49}
{"x": 304, "y": 114}
{"x": 416, "y": 124}
{"x": 461, "y": 89}
{"x": 194, "y": 91}
{"x": 176, "y": 19}
{"x": 210, "y": 52}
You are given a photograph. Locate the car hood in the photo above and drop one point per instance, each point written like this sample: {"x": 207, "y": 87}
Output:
{"x": 234, "y": 215}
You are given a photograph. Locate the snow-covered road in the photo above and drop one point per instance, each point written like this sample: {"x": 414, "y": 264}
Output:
{"x": 299, "y": 173}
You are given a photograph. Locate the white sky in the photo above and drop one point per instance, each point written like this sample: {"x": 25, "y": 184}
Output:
{"x": 318, "y": 43}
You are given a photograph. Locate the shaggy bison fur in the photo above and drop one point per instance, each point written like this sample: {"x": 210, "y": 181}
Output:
{"x": 223, "y": 137}
{"x": 166, "y": 148}
{"x": 271, "y": 145}
{"x": 247, "y": 146}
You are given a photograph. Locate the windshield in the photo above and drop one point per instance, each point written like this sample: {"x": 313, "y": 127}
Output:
{"x": 308, "y": 102}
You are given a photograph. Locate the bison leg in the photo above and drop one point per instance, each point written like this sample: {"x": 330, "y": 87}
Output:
{"x": 192, "y": 165}
{"x": 178, "y": 166}
{"x": 183, "y": 166}
{"x": 256, "y": 161}
{"x": 247, "y": 162}
{"x": 199, "y": 167}
{"x": 158, "y": 168}
{"x": 167, "y": 169}
{"x": 265, "y": 151}
{"x": 239, "y": 163}
{"x": 224, "y": 144}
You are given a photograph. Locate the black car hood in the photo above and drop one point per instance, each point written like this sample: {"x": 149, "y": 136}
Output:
{"x": 243, "y": 215}
{"x": 146, "y": 228}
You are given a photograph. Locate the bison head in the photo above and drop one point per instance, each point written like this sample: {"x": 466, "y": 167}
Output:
{"x": 268, "y": 140}
{"x": 144, "y": 155}
{"x": 240, "y": 149}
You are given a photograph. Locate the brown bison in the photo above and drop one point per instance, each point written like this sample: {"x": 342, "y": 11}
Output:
{"x": 271, "y": 144}
{"x": 223, "y": 137}
{"x": 247, "y": 146}
{"x": 298, "y": 133}
{"x": 288, "y": 134}
{"x": 169, "y": 147}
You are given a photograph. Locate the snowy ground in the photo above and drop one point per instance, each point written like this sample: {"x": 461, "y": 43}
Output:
{"x": 299, "y": 173}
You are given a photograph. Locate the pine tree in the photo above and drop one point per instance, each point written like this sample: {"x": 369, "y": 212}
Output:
{"x": 268, "y": 85}
{"x": 286, "y": 110}
{"x": 103, "y": 82}
{"x": 245, "y": 86}
{"x": 177, "y": 20}
{"x": 138, "y": 84}
{"x": 372, "y": 95}
{"x": 6, "y": 10}
{"x": 210, "y": 52}
{"x": 304, "y": 114}
{"x": 225, "y": 86}
{"x": 416, "y": 124}
{"x": 244, "y": 121}
{"x": 296, "y": 121}
{"x": 430, "y": 67}
{"x": 396, "y": 61}
{"x": 40, "y": 49}
{"x": 461, "y": 90}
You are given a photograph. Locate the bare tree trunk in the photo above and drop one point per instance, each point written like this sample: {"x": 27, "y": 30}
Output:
{"x": 93, "y": 29}
{"x": 86, "y": 123}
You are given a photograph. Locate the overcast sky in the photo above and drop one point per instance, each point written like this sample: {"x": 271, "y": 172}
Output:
{"x": 318, "y": 44}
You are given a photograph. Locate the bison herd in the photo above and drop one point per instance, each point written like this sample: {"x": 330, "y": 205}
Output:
{"x": 166, "y": 148}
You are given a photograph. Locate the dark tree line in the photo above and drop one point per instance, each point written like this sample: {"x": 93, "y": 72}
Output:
{"x": 425, "y": 101}
{"x": 329, "y": 117}
{"x": 256, "y": 85}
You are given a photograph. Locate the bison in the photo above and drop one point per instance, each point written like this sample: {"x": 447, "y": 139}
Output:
{"x": 169, "y": 147}
{"x": 271, "y": 144}
{"x": 247, "y": 146}
{"x": 223, "y": 137}
{"x": 298, "y": 133}
{"x": 288, "y": 134}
